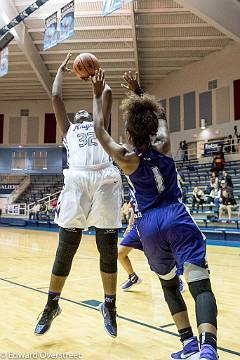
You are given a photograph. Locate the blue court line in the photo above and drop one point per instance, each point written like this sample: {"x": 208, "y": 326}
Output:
{"x": 168, "y": 325}
{"x": 85, "y": 304}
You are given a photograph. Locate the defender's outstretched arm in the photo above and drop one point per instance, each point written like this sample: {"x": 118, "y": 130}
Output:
{"x": 162, "y": 140}
{"x": 126, "y": 160}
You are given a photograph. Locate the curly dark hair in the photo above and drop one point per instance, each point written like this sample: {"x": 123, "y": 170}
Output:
{"x": 140, "y": 114}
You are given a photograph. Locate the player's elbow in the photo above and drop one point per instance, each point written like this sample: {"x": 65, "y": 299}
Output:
{"x": 56, "y": 97}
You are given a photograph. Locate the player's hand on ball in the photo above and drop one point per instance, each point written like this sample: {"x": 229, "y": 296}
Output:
{"x": 64, "y": 66}
{"x": 98, "y": 82}
{"x": 131, "y": 81}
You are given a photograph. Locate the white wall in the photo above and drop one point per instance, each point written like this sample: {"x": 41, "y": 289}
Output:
{"x": 224, "y": 66}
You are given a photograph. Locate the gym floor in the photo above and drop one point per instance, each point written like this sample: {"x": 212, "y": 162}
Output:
{"x": 145, "y": 327}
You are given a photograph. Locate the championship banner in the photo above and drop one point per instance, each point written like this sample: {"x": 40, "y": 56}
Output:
{"x": 67, "y": 21}
{"x": 22, "y": 15}
{"x": 111, "y": 5}
{"x": 51, "y": 33}
{"x": 4, "y": 62}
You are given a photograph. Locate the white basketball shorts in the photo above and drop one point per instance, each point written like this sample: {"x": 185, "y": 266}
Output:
{"x": 91, "y": 196}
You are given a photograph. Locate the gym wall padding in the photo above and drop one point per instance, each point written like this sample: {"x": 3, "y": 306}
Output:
{"x": 174, "y": 114}
{"x": 189, "y": 110}
{"x": 223, "y": 105}
{"x": 50, "y": 129}
{"x": 236, "y": 85}
{"x": 205, "y": 107}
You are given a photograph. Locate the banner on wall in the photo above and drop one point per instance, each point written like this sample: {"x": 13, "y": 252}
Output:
{"x": 111, "y": 5}
{"x": 125, "y": 2}
{"x": 51, "y": 33}
{"x": 4, "y": 62}
{"x": 67, "y": 21}
{"x": 22, "y": 15}
{"x": 212, "y": 148}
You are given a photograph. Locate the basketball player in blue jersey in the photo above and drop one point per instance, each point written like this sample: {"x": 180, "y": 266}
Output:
{"x": 92, "y": 186}
{"x": 169, "y": 235}
{"x": 131, "y": 241}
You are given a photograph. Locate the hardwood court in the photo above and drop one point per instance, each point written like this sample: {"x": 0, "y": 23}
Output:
{"x": 145, "y": 326}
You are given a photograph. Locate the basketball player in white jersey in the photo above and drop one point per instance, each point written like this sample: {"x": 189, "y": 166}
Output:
{"x": 91, "y": 196}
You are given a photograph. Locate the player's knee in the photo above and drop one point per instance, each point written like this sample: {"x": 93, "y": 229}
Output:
{"x": 194, "y": 272}
{"x": 106, "y": 240}
{"x": 199, "y": 287}
{"x": 123, "y": 252}
{"x": 69, "y": 240}
{"x": 206, "y": 306}
{"x": 172, "y": 295}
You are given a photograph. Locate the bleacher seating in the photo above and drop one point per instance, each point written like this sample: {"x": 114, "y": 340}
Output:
{"x": 41, "y": 186}
{"x": 11, "y": 179}
{"x": 199, "y": 175}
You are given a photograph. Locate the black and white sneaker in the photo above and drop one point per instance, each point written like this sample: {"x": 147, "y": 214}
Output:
{"x": 109, "y": 317}
{"x": 130, "y": 282}
{"x": 45, "y": 322}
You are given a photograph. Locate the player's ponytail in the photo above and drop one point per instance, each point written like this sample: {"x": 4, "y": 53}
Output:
{"x": 141, "y": 117}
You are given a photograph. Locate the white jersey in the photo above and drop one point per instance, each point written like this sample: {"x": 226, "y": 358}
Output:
{"x": 83, "y": 148}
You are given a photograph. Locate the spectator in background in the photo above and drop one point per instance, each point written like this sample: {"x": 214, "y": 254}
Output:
{"x": 228, "y": 179}
{"x": 236, "y": 135}
{"x": 54, "y": 204}
{"x": 34, "y": 211}
{"x": 197, "y": 198}
{"x": 237, "y": 138}
{"x": 214, "y": 200}
{"x": 181, "y": 151}
{"x": 214, "y": 182}
{"x": 182, "y": 184}
{"x": 218, "y": 163}
{"x": 231, "y": 147}
{"x": 43, "y": 209}
{"x": 125, "y": 212}
{"x": 185, "y": 150}
{"x": 226, "y": 199}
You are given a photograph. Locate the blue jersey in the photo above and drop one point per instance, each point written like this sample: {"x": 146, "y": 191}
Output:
{"x": 154, "y": 182}
{"x": 134, "y": 205}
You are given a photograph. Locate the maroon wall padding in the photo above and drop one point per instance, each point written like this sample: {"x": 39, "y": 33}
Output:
{"x": 236, "y": 85}
{"x": 1, "y": 127}
{"x": 50, "y": 129}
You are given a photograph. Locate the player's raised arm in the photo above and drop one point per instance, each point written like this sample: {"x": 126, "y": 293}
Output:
{"x": 162, "y": 141}
{"x": 57, "y": 101}
{"x": 126, "y": 160}
{"x": 107, "y": 105}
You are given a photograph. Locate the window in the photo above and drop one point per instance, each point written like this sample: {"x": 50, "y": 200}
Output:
{"x": 39, "y": 160}
{"x": 19, "y": 160}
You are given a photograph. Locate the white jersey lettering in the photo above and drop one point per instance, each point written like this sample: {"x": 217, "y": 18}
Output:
{"x": 83, "y": 148}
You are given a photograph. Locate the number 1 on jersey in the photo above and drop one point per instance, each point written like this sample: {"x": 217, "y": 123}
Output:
{"x": 159, "y": 179}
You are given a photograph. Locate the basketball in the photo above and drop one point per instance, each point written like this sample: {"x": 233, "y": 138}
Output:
{"x": 85, "y": 65}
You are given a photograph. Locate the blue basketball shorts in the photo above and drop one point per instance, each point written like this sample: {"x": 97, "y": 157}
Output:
{"x": 170, "y": 238}
{"x": 132, "y": 239}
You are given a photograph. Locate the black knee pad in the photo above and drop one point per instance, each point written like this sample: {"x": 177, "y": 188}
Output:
{"x": 69, "y": 240}
{"x": 205, "y": 302}
{"x": 173, "y": 296}
{"x": 107, "y": 240}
